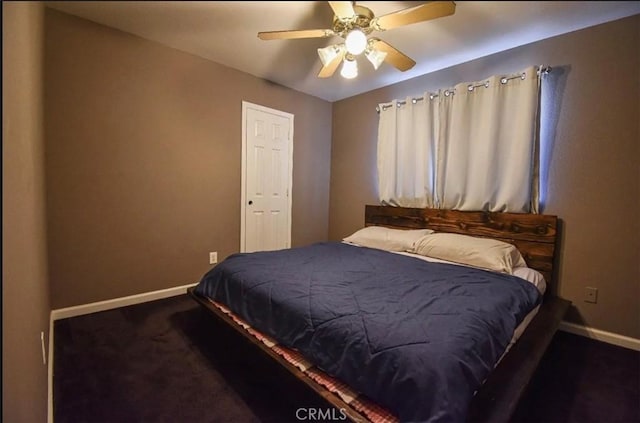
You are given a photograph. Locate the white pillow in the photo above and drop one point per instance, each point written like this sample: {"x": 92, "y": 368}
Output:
{"x": 387, "y": 238}
{"x": 532, "y": 276}
{"x": 485, "y": 253}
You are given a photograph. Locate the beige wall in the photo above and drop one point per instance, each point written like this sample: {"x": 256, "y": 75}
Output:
{"x": 143, "y": 169}
{"x": 25, "y": 290}
{"x": 143, "y": 161}
{"x": 593, "y": 183}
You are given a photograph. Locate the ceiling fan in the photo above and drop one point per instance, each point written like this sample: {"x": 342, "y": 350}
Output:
{"x": 355, "y": 23}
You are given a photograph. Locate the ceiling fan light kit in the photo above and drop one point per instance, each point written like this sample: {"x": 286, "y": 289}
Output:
{"x": 356, "y": 41}
{"x": 376, "y": 57}
{"x": 349, "y": 67}
{"x": 354, "y": 24}
{"x": 329, "y": 53}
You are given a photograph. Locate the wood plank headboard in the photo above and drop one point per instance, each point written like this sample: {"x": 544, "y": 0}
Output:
{"x": 535, "y": 235}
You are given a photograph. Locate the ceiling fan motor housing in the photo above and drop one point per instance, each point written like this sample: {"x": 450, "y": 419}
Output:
{"x": 361, "y": 20}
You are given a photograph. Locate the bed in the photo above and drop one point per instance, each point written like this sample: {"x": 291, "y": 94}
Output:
{"x": 297, "y": 307}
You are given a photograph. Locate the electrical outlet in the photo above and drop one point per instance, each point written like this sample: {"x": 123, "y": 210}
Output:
{"x": 590, "y": 295}
{"x": 213, "y": 257}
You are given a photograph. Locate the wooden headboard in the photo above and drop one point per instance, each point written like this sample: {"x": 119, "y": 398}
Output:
{"x": 535, "y": 235}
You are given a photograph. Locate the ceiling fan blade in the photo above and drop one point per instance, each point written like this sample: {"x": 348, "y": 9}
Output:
{"x": 342, "y": 9}
{"x": 294, "y": 34}
{"x": 329, "y": 69}
{"x": 424, "y": 12}
{"x": 394, "y": 57}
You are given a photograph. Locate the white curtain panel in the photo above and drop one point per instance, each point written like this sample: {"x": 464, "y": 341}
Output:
{"x": 472, "y": 147}
{"x": 406, "y": 152}
{"x": 445, "y": 103}
{"x": 488, "y": 158}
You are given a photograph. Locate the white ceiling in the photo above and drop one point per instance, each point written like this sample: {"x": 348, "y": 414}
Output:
{"x": 226, "y": 32}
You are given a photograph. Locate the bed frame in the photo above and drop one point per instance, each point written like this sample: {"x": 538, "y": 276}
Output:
{"x": 535, "y": 235}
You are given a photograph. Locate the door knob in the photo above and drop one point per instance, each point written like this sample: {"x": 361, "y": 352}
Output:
{"x": 250, "y": 202}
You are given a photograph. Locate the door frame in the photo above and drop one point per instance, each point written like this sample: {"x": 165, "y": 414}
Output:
{"x": 243, "y": 195}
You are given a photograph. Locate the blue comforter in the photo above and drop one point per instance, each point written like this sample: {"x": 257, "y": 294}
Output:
{"x": 416, "y": 337}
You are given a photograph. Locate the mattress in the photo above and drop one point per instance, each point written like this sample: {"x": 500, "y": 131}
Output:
{"x": 369, "y": 410}
{"x": 528, "y": 274}
{"x": 372, "y": 326}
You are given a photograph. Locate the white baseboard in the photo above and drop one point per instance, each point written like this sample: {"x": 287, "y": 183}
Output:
{"x": 79, "y": 310}
{"x": 601, "y": 335}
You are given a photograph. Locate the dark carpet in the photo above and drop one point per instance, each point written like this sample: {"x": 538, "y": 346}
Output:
{"x": 158, "y": 362}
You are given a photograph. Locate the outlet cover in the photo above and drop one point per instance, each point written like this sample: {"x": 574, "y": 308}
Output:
{"x": 213, "y": 257}
{"x": 591, "y": 295}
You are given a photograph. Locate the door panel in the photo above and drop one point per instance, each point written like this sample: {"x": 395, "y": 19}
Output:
{"x": 267, "y": 178}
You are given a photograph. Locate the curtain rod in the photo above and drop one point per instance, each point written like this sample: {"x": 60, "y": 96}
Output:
{"x": 542, "y": 70}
